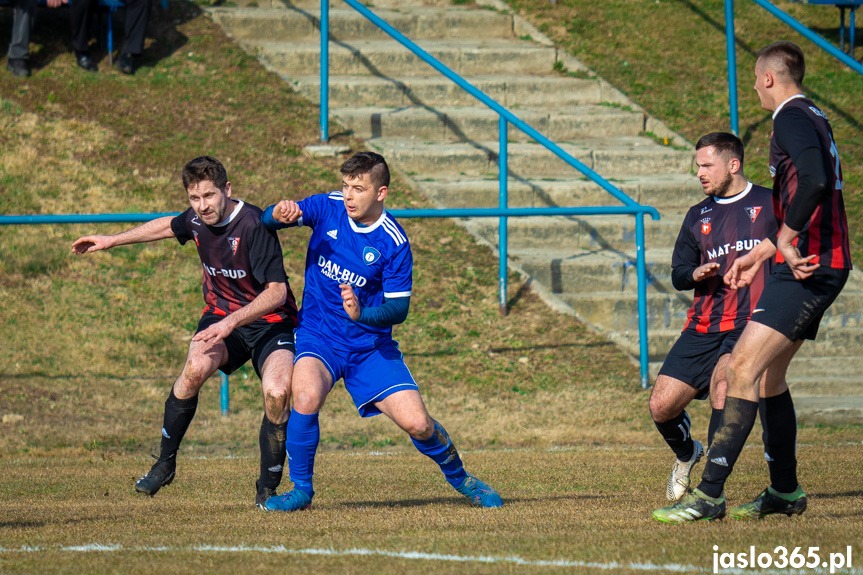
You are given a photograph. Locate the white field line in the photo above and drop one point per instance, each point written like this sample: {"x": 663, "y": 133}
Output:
{"x": 419, "y": 555}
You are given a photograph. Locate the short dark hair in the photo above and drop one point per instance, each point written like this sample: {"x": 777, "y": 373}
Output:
{"x": 368, "y": 163}
{"x": 726, "y": 145}
{"x": 205, "y": 168}
{"x": 786, "y": 60}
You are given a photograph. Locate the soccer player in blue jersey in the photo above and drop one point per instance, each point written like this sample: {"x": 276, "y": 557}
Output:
{"x": 358, "y": 284}
{"x": 735, "y": 217}
{"x": 813, "y": 261}
{"x": 250, "y": 314}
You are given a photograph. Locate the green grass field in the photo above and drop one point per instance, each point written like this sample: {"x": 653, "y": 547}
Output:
{"x": 548, "y": 412}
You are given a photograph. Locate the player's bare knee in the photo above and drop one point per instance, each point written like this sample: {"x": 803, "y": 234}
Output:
{"x": 306, "y": 401}
{"x": 717, "y": 394}
{"x": 275, "y": 404}
{"x": 658, "y": 409}
{"x": 420, "y": 427}
{"x": 195, "y": 372}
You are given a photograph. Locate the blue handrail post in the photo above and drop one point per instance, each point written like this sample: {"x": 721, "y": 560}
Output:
{"x": 225, "y": 393}
{"x": 642, "y": 298}
{"x": 732, "y": 65}
{"x": 325, "y": 70}
{"x": 502, "y": 203}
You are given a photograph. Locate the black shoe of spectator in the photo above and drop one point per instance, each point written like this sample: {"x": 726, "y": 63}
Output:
{"x": 18, "y": 67}
{"x": 86, "y": 62}
{"x": 126, "y": 63}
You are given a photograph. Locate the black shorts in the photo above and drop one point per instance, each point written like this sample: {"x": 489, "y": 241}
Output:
{"x": 694, "y": 355}
{"x": 255, "y": 341}
{"x": 794, "y": 307}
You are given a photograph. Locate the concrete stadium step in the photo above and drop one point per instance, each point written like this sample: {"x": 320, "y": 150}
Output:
{"x": 346, "y": 24}
{"x": 616, "y": 311}
{"x": 846, "y": 311}
{"x": 819, "y": 385}
{"x": 589, "y": 232}
{"x": 676, "y": 191}
{"x": 836, "y": 343}
{"x": 530, "y": 92}
{"x": 463, "y": 124}
{"x": 388, "y": 58}
{"x": 595, "y": 271}
{"x": 828, "y": 366}
{"x": 829, "y": 410}
{"x": 605, "y": 156}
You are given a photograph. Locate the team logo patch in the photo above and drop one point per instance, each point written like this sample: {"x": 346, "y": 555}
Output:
{"x": 235, "y": 243}
{"x": 197, "y": 243}
{"x": 753, "y": 212}
{"x": 370, "y": 255}
{"x": 705, "y": 226}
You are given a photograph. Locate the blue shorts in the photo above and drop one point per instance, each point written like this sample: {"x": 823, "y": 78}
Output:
{"x": 369, "y": 375}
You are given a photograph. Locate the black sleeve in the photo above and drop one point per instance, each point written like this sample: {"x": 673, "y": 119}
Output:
{"x": 795, "y": 133}
{"x": 178, "y": 226}
{"x": 265, "y": 255}
{"x": 684, "y": 260}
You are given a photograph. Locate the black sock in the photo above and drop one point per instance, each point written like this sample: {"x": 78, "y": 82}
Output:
{"x": 737, "y": 421}
{"x": 675, "y": 432}
{"x": 780, "y": 441}
{"x": 715, "y": 420}
{"x": 178, "y": 415}
{"x": 272, "y": 441}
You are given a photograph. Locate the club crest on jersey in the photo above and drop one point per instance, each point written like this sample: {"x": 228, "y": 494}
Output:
{"x": 705, "y": 226}
{"x": 370, "y": 255}
{"x": 235, "y": 243}
{"x": 753, "y": 212}
{"x": 195, "y": 234}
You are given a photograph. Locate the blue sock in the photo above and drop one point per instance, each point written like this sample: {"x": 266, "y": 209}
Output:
{"x": 304, "y": 433}
{"x": 440, "y": 449}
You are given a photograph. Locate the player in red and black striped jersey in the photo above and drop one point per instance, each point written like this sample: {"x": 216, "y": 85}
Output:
{"x": 250, "y": 313}
{"x": 813, "y": 265}
{"x": 734, "y": 218}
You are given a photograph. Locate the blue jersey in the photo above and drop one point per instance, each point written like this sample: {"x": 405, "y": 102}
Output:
{"x": 375, "y": 260}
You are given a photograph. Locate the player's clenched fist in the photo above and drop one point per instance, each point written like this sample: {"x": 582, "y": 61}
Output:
{"x": 91, "y": 244}
{"x": 287, "y": 212}
{"x": 350, "y": 302}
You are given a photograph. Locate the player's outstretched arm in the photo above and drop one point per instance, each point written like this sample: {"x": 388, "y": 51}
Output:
{"x": 158, "y": 229}
{"x": 801, "y": 267}
{"x": 274, "y": 295}
{"x": 281, "y": 215}
{"x": 744, "y": 269}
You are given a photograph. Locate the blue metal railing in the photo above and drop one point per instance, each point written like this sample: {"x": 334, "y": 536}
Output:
{"x": 506, "y": 118}
{"x": 785, "y": 18}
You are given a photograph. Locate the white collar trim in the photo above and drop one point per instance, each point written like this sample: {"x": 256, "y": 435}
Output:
{"x": 361, "y": 229}
{"x": 735, "y": 197}
{"x": 794, "y": 97}
{"x": 233, "y": 215}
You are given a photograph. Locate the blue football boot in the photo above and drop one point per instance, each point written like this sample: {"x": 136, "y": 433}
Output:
{"x": 479, "y": 492}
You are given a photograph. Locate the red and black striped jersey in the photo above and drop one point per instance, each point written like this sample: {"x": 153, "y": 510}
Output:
{"x": 799, "y": 125}
{"x": 239, "y": 256}
{"x": 719, "y": 230}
